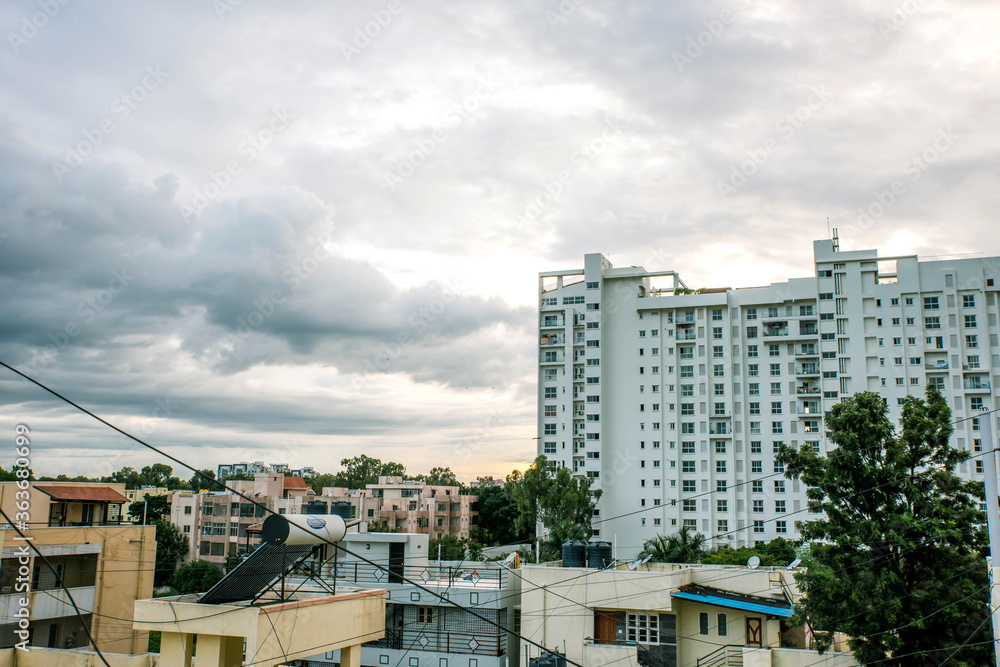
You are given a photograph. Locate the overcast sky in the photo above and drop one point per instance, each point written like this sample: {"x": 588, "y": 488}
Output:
{"x": 299, "y": 232}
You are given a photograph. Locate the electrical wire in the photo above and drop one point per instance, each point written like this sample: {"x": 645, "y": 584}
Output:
{"x": 266, "y": 509}
{"x": 321, "y": 538}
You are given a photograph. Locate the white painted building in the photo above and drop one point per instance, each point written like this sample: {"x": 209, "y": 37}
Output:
{"x": 421, "y": 630}
{"x": 675, "y": 402}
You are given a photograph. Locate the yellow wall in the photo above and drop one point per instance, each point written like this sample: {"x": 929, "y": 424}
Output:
{"x": 124, "y": 574}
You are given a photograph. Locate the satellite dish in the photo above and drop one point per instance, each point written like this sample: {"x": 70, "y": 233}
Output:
{"x": 510, "y": 557}
{"x": 634, "y": 564}
{"x": 753, "y": 562}
{"x": 794, "y": 564}
{"x": 646, "y": 559}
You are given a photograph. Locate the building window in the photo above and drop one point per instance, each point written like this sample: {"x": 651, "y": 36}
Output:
{"x": 757, "y": 486}
{"x": 723, "y": 625}
{"x": 779, "y": 506}
{"x": 758, "y": 506}
{"x": 781, "y": 526}
{"x": 703, "y": 623}
{"x": 425, "y": 615}
{"x": 758, "y": 526}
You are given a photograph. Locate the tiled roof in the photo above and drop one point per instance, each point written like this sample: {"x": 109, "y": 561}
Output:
{"x": 295, "y": 484}
{"x": 84, "y": 493}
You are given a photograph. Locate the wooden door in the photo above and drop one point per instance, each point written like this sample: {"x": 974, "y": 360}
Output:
{"x": 755, "y": 633}
{"x": 604, "y": 627}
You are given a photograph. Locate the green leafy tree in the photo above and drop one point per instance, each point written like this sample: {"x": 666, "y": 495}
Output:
{"x": 563, "y": 503}
{"x": 171, "y": 546}
{"x": 319, "y": 481}
{"x": 778, "y": 552}
{"x": 454, "y": 548}
{"x": 896, "y": 561}
{"x": 362, "y": 470}
{"x": 442, "y": 477}
{"x": 681, "y": 547}
{"x": 496, "y": 523}
{"x": 154, "y": 508}
{"x": 196, "y": 577}
{"x": 204, "y": 480}
{"x": 379, "y": 527}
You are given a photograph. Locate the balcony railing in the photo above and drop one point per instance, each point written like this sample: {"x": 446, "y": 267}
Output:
{"x": 810, "y": 410}
{"x": 940, "y": 365}
{"x": 807, "y": 389}
{"x": 686, "y": 336}
{"x": 553, "y": 358}
{"x": 807, "y": 369}
{"x": 553, "y": 323}
{"x": 769, "y": 333}
{"x": 413, "y": 638}
{"x": 977, "y": 384}
{"x": 464, "y": 576}
{"x": 552, "y": 340}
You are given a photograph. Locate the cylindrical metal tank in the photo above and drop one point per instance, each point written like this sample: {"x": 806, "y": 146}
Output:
{"x": 303, "y": 529}
{"x": 599, "y": 554}
{"x": 574, "y": 553}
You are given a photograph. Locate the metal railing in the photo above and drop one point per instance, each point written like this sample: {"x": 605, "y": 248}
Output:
{"x": 444, "y": 641}
{"x": 730, "y": 655}
{"x": 466, "y": 574}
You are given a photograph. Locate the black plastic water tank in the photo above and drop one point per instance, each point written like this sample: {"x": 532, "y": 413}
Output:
{"x": 599, "y": 554}
{"x": 316, "y": 507}
{"x": 343, "y": 509}
{"x": 574, "y": 553}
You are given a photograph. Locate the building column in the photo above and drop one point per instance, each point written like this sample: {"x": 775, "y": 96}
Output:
{"x": 175, "y": 649}
{"x": 219, "y": 651}
{"x": 350, "y": 656}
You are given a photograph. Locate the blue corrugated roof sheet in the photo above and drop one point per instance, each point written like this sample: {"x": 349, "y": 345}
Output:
{"x": 774, "y": 609}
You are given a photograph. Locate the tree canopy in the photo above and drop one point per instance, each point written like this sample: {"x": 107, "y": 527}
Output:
{"x": 196, "y": 577}
{"x": 153, "y": 507}
{"x": 895, "y": 563}
{"x": 171, "y": 546}
{"x": 681, "y": 547}
{"x": 563, "y": 503}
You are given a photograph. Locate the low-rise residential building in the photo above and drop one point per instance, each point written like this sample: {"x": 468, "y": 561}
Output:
{"x": 421, "y": 629}
{"x": 229, "y": 469}
{"x": 216, "y": 523}
{"x": 661, "y": 615}
{"x": 53, "y": 504}
{"x": 105, "y": 565}
{"x": 410, "y": 506}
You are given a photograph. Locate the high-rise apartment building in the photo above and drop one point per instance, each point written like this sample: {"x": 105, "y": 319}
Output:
{"x": 674, "y": 401}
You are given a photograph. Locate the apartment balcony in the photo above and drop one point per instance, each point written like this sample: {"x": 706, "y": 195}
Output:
{"x": 553, "y": 358}
{"x": 811, "y": 409}
{"x": 808, "y": 329}
{"x": 806, "y": 351}
{"x": 937, "y": 365}
{"x": 685, "y": 319}
{"x": 547, "y": 323}
{"x": 552, "y": 340}
{"x": 773, "y": 332}
{"x": 976, "y": 384}
{"x": 690, "y": 335}
{"x": 720, "y": 429}
{"x": 807, "y": 389}
{"x": 807, "y": 369}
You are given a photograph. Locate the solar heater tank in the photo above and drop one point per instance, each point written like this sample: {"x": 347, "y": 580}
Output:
{"x": 303, "y": 529}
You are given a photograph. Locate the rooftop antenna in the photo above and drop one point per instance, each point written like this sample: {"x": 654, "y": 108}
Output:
{"x": 828, "y": 225}
{"x": 836, "y": 240}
